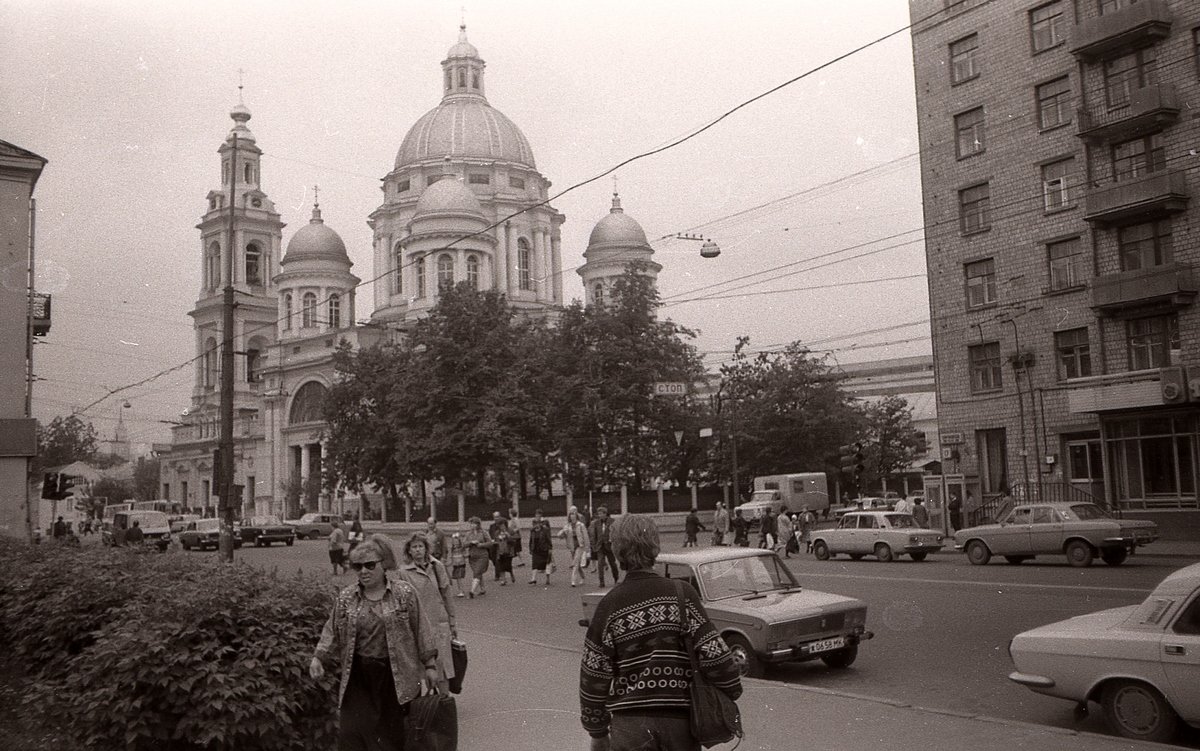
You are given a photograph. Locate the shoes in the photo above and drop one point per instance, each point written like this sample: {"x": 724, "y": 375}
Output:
{"x": 471, "y": 595}
{"x": 460, "y": 594}
{"x": 482, "y": 592}
{"x": 503, "y": 582}
{"x": 533, "y": 581}
{"x": 572, "y": 584}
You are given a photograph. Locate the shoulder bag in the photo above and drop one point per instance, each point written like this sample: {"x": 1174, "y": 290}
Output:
{"x": 715, "y": 718}
{"x": 432, "y": 723}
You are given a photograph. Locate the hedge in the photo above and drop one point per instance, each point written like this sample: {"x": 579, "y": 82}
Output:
{"x": 140, "y": 650}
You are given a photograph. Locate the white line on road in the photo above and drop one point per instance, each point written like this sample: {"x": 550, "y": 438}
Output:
{"x": 959, "y": 582}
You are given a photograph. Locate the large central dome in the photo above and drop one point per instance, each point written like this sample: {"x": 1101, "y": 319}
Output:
{"x": 464, "y": 125}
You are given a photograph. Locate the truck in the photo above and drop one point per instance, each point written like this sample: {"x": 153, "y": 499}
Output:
{"x": 790, "y": 492}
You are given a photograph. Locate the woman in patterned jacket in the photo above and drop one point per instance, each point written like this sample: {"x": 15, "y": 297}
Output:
{"x": 386, "y": 649}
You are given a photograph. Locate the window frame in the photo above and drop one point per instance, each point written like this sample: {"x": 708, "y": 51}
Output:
{"x": 1053, "y": 22}
{"x": 1060, "y": 185}
{"x": 308, "y": 310}
{"x": 419, "y": 263}
{"x": 1073, "y": 358}
{"x": 1060, "y": 101}
{"x": 334, "y": 307}
{"x": 1073, "y": 272}
{"x": 253, "y": 251}
{"x": 288, "y": 302}
{"x": 524, "y": 265}
{"x": 1149, "y": 159}
{"x": 975, "y": 129}
{"x": 970, "y": 56}
{"x": 1160, "y": 248}
{"x": 472, "y": 267}
{"x": 984, "y": 368}
{"x": 1155, "y": 350}
{"x": 1143, "y": 72}
{"x": 986, "y": 268}
{"x": 445, "y": 272}
{"x": 981, "y": 207}
{"x": 398, "y": 269}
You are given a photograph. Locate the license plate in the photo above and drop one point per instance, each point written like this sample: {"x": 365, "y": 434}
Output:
{"x": 825, "y": 645}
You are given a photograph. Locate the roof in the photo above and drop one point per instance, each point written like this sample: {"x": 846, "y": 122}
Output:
{"x": 465, "y": 127}
{"x": 708, "y": 555}
{"x": 1183, "y": 581}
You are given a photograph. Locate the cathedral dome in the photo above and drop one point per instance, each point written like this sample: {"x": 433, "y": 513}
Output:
{"x": 448, "y": 195}
{"x": 618, "y": 228}
{"x": 465, "y": 127}
{"x": 316, "y": 241}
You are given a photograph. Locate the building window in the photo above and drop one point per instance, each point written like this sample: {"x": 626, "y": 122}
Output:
{"x": 1074, "y": 353}
{"x": 598, "y": 295}
{"x": 974, "y": 208}
{"x": 208, "y": 375}
{"x": 462, "y": 78}
{"x": 1111, "y": 6}
{"x": 992, "y": 448}
{"x": 224, "y": 172}
{"x": 1150, "y": 341}
{"x": 1066, "y": 264}
{"x": 1145, "y": 245}
{"x": 445, "y": 272}
{"x": 1128, "y": 72}
{"x": 473, "y": 271}
{"x": 964, "y": 63}
{"x": 448, "y": 81}
{"x": 1046, "y": 26}
{"x": 516, "y": 182}
{"x": 474, "y": 79}
{"x": 433, "y": 179}
{"x": 1151, "y": 461}
{"x": 212, "y": 266}
{"x": 335, "y": 312}
{"x": 248, "y": 173}
{"x": 308, "y": 312}
{"x": 968, "y": 133}
{"x": 981, "y": 283}
{"x": 253, "y": 265}
{"x": 477, "y": 179}
{"x": 1141, "y": 156}
{"x": 1054, "y": 103}
{"x": 403, "y": 186}
{"x": 1056, "y": 182}
{"x": 398, "y": 271}
{"x": 984, "y": 362}
{"x": 287, "y": 311}
{"x": 524, "y": 265}
{"x": 253, "y": 366}
{"x": 419, "y": 261}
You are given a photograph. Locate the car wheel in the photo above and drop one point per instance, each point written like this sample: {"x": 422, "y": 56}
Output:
{"x": 1114, "y": 556}
{"x": 883, "y": 552}
{"x": 186, "y": 545}
{"x": 842, "y": 658}
{"x": 259, "y": 542}
{"x": 290, "y": 540}
{"x": 978, "y": 553}
{"x": 748, "y": 664}
{"x": 821, "y": 551}
{"x": 1015, "y": 560}
{"x": 1137, "y": 710}
{"x": 918, "y": 557}
{"x": 1079, "y": 553}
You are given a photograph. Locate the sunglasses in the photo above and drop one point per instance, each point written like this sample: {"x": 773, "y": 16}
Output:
{"x": 368, "y": 565}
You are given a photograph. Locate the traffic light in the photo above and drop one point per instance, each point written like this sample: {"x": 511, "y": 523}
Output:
{"x": 846, "y": 459}
{"x": 65, "y": 484}
{"x": 859, "y": 462}
{"x": 50, "y": 486}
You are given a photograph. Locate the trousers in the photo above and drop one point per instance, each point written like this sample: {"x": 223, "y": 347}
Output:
{"x": 634, "y": 731}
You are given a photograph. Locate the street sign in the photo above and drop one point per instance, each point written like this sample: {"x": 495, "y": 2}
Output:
{"x": 678, "y": 437}
{"x": 668, "y": 388}
{"x": 706, "y": 432}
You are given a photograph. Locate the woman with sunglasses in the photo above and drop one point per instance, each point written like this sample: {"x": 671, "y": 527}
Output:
{"x": 387, "y": 650}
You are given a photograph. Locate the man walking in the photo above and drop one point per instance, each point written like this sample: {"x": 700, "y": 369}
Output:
{"x": 919, "y": 512}
{"x": 436, "y": 539}
{"x": 720, "y": 524}
{"x": 600, "y": 533}
{"x": 337, "y": 547}
{"x": 741, "y": 529}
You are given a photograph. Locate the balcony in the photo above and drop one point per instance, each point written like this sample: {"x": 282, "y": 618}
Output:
{"x": 1165, "y": 287}
{"x": 1132, "y": 26}
{"x": 1150, "y": 108}
{"x": 1141, "y": 198}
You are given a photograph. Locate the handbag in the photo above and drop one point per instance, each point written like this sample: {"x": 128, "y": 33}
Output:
{"x": 458, "y": 653}
{"x": 715, "y": 718}
{"x": 432, "y": 723}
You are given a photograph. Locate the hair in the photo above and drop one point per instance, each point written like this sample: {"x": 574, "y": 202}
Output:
{"x": 431, "y": 520}
{"x": 382, "y": 545}
{"x": 573, "y": 510}
{"x": 537, "y": 512}
{"x": 635, "y": 541}
{"x": 602, "y": 508}
{"x": 412, "y": 540}
{"x": 474, "y": 521}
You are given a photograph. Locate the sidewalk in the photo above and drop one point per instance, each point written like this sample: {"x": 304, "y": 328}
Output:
{"x": 521, "y": 695}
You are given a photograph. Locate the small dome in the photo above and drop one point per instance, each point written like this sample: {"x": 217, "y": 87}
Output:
{"x": 618, "y": 228}
{"x": 316, "y": 241}
{"x": 241, "y": 115}
{"x": 462, "y": 48}
{"x": 448, "y": 195}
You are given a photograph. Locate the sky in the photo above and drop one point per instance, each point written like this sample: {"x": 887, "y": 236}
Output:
{"x": 801, "y": 189}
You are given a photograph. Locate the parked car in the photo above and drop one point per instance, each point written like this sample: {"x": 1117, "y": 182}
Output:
{"x": 264, "y": 530}
{"x": 205, "y": 533}
{"x": 883, "y": 534}
{"x": 179, "y": 523}
{"x": 1078, "y": 530}
{"x": 865, "y": 504}
{"x": 1140, "y": 663}
{"x": 761, "y": 611}
{"x": 313, "y": 525}
{"x": 156, "y": 529}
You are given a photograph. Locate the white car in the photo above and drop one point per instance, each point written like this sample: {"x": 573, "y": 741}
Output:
{"x": 1141, "y": 663}
{"x": 883, "y": 534}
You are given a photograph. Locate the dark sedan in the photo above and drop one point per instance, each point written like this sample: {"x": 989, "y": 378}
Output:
{"x": 264, "y": 530}
{"x": 204, "y": 533}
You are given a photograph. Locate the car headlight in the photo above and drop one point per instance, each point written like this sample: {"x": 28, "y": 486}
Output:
{"x": 914, "y": 539}
{"x": 856, "y": 619}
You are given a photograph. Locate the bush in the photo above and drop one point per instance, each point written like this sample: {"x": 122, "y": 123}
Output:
{"x": 139, "y": 650}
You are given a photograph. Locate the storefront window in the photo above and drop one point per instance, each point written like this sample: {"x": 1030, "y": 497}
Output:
{"x": 1153, "y": 462}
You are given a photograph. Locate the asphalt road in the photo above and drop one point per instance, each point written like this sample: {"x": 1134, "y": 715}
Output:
{"x": 941, "y": 627}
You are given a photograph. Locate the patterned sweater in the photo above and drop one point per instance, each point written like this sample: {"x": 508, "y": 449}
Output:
{"x": 633, "y": 656}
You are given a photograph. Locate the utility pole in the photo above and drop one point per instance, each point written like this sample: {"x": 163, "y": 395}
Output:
{"x": 226, "y": 489}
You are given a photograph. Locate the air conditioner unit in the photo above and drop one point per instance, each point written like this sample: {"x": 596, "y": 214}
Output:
{"x": 1174, "y": 385}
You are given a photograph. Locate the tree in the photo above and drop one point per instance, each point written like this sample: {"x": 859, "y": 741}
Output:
{"x": 108, "y": 490}
{"x": 145, "y": 479}
{"x": 892, "y": 442}
{"x": 65, "y": 440}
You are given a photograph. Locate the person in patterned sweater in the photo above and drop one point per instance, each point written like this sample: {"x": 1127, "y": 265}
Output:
{"x": 635, "y": 673}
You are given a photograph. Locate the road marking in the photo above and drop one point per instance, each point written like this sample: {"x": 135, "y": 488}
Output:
{"x": 1137, "y": 590}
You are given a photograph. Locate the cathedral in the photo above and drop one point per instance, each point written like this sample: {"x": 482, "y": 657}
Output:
{"x": 464, "y": 202}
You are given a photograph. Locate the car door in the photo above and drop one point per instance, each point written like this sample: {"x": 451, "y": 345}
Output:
{"x": 1012, "y": 536}
{"x": 841, "y": 539}
{"x": 1045, "y": 530}
{"x": 1180, "y": 657}
{"x": 868, "y": 533}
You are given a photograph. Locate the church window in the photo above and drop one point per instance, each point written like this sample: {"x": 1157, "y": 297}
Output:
{"x": 473, "y": 271}
{"x": 516, "y": 182}
{"x": 445, "y": 272}
{"x": 448, "y": 82}
{"x": 308, "y": 312}
{"x": 419, "y": 261}
{"x": 224, "y": 171}
{"x": 598, "y": 295}
{"x": 403, "y": 186}
{"x": 398, "y": 271}
{"x": 524, "y": 265}
{"x": 335, "y": 312}
{"x": 208, "y": 371}
{"x": 212, "y": 266}
{"x": 474, "y": 79}
{"x": 478, "y": 179}
{"x": 248, "y": 172}
{"x": 287, "y": 311}
{"x": 253, "y": 265}
{"x": 309, "y": 404}
{"x": 253, "y": 366}
{"x": 462, "y": 78}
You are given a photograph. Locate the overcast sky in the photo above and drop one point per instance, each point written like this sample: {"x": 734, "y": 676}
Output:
{"x": 129, "y": 101}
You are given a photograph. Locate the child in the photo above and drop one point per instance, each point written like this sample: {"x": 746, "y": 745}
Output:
{"x": 458, "y": 562}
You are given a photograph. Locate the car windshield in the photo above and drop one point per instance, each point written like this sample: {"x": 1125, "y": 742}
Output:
{"x": 147, "y": 519}
{"x": 208, "y": 525}
{"x": 737, "y": 577}
{"x": 264, "y": 521}
{"x": 309, "y": 518}
{"x": 1086, "y": 511}
{"x": 901, "y": 521}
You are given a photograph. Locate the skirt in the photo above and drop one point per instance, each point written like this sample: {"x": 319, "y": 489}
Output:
{"x": 459, "y": 571}
{"x": 371, "y": 718}
{"x": 479, "y": 566}
{"x": 540, "y": 560}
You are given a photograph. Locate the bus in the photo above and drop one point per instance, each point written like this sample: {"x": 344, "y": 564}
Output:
{"x": 170, "y": 508}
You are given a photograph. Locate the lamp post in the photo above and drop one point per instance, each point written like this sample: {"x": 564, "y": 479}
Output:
{"x": 709, "y": 249}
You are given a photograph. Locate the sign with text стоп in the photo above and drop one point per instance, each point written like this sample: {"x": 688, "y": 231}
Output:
{"x": 667, "y": 388}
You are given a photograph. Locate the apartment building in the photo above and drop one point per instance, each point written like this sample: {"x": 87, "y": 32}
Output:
{"x": 1059, "y": 152}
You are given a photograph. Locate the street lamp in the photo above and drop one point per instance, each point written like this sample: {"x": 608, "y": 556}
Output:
{"x": 709, "y": 249}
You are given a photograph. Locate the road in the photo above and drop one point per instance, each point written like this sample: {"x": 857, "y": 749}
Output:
{"x": 941, "y": 627}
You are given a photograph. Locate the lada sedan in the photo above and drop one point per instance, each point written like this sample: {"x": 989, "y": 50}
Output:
{"x": 313, "y": 525}
{"x": 762, "y": 612}
{"x": 883, "y": 534}
{"x": 1080, "y": 531}
{"x": 1140, "y": 663}
{"x": 264, "y": 530}
{"x": 205, "y": 533}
